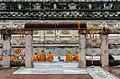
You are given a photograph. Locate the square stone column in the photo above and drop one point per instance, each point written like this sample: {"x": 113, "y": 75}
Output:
{"x": 29, "y": 49}
{"x": 82, "y": 55}
{"x": 104, "y": 51}
{"x": 6, "y": 50}
{"x": 42, "y": 36}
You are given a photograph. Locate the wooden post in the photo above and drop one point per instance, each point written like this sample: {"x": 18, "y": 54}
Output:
{"x": 82, "y": 56}
{"x": 104, "y": 51}
{"x": 29, "y": 49}
{"x": 6, "y": 50}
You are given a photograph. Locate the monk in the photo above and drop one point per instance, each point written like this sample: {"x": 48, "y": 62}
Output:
{"x": 42, "y": 56}
{"x": 69, "y": 57}
{"x": 50, "y": 57}
{"x": 1, "y": 58}
{"x": 14, "y": 58}
{"x": 76, "y": 55}
{"x": 22, "y": 61}
{"x": 35, "y": 57}
{"x": 23, "y": 56}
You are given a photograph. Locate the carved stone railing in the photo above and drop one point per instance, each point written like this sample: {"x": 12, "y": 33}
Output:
{"x": 59, "y": 10}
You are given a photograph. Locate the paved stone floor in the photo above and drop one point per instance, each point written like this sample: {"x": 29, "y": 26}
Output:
{"x": 52, "y": 68}
{"x": 69, "y": 71}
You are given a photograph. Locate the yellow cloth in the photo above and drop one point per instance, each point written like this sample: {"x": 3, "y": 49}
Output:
{"x": 42, "y": 56}
{"x": 50, "y": 57}
{"x": 69, "y": 57}
{"x": 35, "y": 57}
{"x": 76, "y": 55}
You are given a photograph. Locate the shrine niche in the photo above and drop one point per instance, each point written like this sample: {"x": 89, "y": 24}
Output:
{"x": 36, "y": 6}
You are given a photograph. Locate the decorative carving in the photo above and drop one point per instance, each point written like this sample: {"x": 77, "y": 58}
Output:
{"x": 105, "y": 52}
{"x": 18, "y": 25}
{"x": 17, "y": 41}
{"x": 2, "y": 6}
{"x": 37, "y": 6}
{"x": 59, "y": 10}
{"x": 116, "y": 41}
{"x": 5, "y": 53}
{"x": 18, "y": 50}
{"x": 65, "y": 32}
{"x": 93, "y": 52}
{"x": 50, "y": 31}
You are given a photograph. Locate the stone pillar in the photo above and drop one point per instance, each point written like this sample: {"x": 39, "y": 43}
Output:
{"x": 29, "y": 49}
{"x": 6, "y": 50}
{"x": 104, "y": 51}
{"x": 82, "y": 56}
{"x": 42, "y": 36}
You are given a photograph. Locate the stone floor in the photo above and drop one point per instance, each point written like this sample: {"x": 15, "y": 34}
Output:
{"x": 53, "y": 68}
{"x": 60, "y": 71}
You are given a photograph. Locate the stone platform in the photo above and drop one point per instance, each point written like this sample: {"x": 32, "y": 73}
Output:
{"x": 65, "y": 68}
